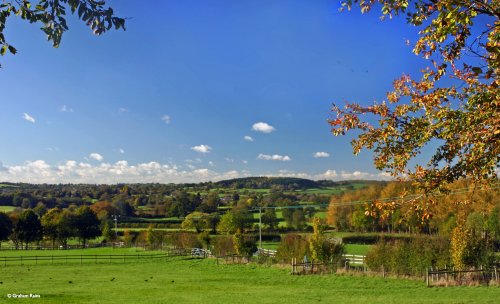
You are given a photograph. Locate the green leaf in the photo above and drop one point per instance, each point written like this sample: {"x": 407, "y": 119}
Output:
{"x": 477, "y": 70}
{"x": 3, "y": 50}
{"x": 12, "y": 50}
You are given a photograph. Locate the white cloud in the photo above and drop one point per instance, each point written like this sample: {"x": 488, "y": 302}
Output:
{"x": 66, "y": 109}
{"x": 29, "y": 118}
{"x": 229, "y": 160}
{"x": 274, "y": 157}
{"x": 96, "y": 156}
{"x": 71, "y": 171}
{"x": 166, "y": 119}
{"x": 385, "y": 176}
{"x": 321, "y": 154}
{"x": 287, "y": 173}
{"x": 122, "y": 110}
{"x": 329, "y": 174}
{"x": 245, "y": 162}
{"x": 211, "y": 163}
{"x": 121, "y": 151}
{"x": 248, "y": 138}
{"x": 355, "y": 175}
{"x": 263, "y": 127}
{"x": 202, "y": 148}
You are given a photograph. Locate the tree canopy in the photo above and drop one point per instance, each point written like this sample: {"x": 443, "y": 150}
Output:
{"x": 457, "y": 115}
{"x": 51, "y": 14}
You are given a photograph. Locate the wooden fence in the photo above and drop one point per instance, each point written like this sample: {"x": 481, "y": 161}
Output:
{"x": 67, "y": 247}
{"x": 354, "y": 261}
{"x": 308, "y": 267}
{"x": 266, "y": 252}
{"x": 233, "y": 259}
{"x": 97, "y": 258}
{"x": 461, "y": 277}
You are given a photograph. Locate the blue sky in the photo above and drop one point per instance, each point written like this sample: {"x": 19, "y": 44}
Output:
{"x": 173, "y": 98}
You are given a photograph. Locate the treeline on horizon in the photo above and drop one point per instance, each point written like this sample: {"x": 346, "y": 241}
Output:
{"x": 163, "y": 200}
{"x": 399, "y": 207}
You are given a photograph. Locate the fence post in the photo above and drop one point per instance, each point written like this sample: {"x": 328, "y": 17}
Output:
{"x": 427, "y": 277}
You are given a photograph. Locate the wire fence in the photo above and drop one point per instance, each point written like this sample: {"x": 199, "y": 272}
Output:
{"x": 80, "y": 259}
{"x": 446, "y": 277}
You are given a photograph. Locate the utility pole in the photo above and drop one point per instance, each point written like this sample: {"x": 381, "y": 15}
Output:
{"x": 260, "y": 227}
{"x": 115, "y": 218}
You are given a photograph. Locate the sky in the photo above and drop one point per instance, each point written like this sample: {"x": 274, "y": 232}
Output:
{"x": 196, "y": 91}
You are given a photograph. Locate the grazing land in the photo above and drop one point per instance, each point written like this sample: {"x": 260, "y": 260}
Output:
{"x": 7, "y": 208}
{"x": 186, "y": 280}
{"x": 357, "y": 249}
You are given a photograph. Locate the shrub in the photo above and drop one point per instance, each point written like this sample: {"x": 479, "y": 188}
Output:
{"x": 292, "y": 246}
{"x": 244, "y": 245}
{"x": 184, "y": 240}
{"x": 223, "y": 245}
{"x": 409, "y": 257}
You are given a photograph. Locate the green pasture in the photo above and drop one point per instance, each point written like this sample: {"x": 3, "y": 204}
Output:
{"x": 322, "y": 191}
{"x": 88, "y": 251}
{"x": 8, "y": 186}
{"x": 357, "y": 249}
{"x": 186, "y": 280}
{"x": 7, "y": 208}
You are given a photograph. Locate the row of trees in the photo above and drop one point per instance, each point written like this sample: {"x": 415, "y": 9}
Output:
{"x": 384, "y": 208}
{"x": 56, "y": 225}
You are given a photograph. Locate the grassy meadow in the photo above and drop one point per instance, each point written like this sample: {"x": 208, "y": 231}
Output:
{"x": 7, "y": 208}
{"x": 185, "y": 280}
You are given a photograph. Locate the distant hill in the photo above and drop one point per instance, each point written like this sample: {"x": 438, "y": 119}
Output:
{"x": 267, "y": 182}
{"x": 285, "y": 182}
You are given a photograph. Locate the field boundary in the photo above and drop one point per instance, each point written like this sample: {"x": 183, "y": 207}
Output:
{"x": 96, "y": 258}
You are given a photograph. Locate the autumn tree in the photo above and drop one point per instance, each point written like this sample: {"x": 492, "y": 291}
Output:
{"x": 51, "y": 16}
{"x": 453, "y": 106}
{"x": 50, "y": 224}
{"x": 460, "y": 115}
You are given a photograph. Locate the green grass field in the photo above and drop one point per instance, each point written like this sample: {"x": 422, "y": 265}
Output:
{"x": 8, "y": 186}
{"x": 181, "y": 280}
{"x": 357, "y": 249}
{"x": 7, "y": 208}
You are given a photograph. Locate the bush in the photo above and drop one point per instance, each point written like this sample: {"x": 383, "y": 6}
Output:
{"x": 184, "y": 240}
{"x": 244, "y": 245}
{"x": 223, "y": 245}
{"x": 331, "y": 254}
{"x": 411, "y": 257}
{"x": 292, "y": 246}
